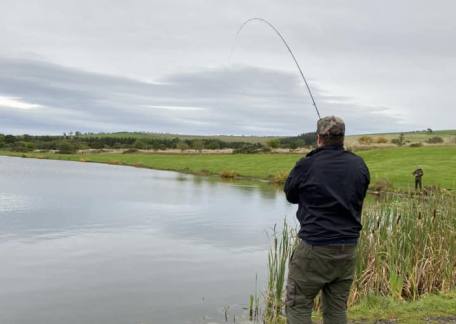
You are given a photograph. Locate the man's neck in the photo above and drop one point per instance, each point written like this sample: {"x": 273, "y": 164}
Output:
{"x": 330, "y": 146}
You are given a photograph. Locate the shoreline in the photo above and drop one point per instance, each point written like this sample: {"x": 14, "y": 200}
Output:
{"x": 225, "y": 174}
{"x": 390, "y": 168}
{"x": 221, "y": 176}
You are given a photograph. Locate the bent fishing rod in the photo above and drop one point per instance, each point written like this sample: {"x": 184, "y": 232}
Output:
{"x": 278, "y": 33}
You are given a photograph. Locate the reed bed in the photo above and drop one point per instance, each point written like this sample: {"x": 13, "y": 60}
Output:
{"x": 407, "y": 249}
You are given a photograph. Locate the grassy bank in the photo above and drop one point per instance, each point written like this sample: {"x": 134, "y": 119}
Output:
{"x": 393, "y": 164}
{"x": 431, "y": 308}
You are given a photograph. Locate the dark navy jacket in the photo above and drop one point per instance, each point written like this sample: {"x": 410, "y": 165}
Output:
{"x": 329, "y": 185}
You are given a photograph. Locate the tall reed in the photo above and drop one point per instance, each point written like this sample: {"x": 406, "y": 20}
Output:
{"x": 278, "y": 257}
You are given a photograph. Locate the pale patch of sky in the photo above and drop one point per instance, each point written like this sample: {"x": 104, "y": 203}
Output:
{"x": 16, "y": 103}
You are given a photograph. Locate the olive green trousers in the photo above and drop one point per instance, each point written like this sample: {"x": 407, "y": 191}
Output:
{"x": 312, "y": 269}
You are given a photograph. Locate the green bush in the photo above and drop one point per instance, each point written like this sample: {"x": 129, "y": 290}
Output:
{"x": 182, "y": 146}
{"x": 22, "y": 146}
{"x": 140, "y": 144}
{"x": 132, "y": 150}
{"x": 275, "y": 143}
{"x": 306, "y": 139}
{"x": 293, "y": 145}
{"x": 67, "y": 148}
{"x": 251, "y": 148}
{"x": 435, "y": 140}
{"x": 9, "y": 139}
{"x": 197, "y": 145}
{"x": 213, "y": 145}
{"x": 97, "y": 145}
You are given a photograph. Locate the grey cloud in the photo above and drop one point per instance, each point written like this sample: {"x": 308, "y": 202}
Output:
{"x": 384, "y": 53}
{"x": 236, "y": 100}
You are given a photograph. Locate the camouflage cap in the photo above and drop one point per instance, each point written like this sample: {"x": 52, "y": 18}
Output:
{"x": 331, "y": 125}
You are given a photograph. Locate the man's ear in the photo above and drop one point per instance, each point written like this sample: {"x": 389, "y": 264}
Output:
{"x": 318, "y": 140}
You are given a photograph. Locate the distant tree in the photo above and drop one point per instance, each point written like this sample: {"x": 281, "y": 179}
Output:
{"x": 293, "y": 145}
{"x": 400, "y": 141}
{"x": 97, "y": 145}
{"x": 197, "y": 145}
{"x": 213, "y": 145}
{"x": 309, "y": 139}
{"x": 274, "y": 143}
{"x": 429, "y": 131}
{"x": 182, "y": 146}
{"x": 140, "y": 144}
{"x": 306, "y": 139}
{"x": 9, "y": 139}
{"x": 155, "y": 146}
{"x": 67, "y": 148}
{"x": 21, "y": 146}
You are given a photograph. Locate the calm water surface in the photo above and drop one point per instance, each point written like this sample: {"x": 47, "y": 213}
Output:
{"x": 92, "y": 243}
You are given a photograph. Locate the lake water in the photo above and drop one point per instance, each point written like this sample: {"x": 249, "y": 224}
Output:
{"x": 93, "y": 243}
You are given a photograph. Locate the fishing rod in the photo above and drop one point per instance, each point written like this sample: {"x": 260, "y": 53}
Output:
{"x": 288, "y": 48}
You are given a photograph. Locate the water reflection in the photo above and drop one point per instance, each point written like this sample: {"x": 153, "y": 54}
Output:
{"x": 13, "y": 202}
{"x": 132, "y": 241}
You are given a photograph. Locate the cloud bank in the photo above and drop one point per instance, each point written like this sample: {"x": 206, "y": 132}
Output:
{"x": 39, "y": 97}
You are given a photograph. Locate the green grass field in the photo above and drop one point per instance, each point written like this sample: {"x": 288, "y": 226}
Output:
{"x": 394, "y": 164}
{"x": 397, "y": 164}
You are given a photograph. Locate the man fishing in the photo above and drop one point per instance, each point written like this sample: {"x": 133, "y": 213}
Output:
{"x": 329, "y": 185}
{"x": 418, "y": 173}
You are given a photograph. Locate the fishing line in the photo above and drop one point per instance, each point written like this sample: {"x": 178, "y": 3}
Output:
{"x": 286, "y": 45}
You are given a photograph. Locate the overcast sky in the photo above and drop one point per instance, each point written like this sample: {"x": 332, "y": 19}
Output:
{"x": 163, "y": 66}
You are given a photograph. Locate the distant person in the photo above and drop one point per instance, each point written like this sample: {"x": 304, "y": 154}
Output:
{"x": 418, "y": 173}
{"x": 329, "y": 185}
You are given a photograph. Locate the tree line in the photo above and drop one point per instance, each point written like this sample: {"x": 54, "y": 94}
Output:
{"x": 74, "y": 142}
